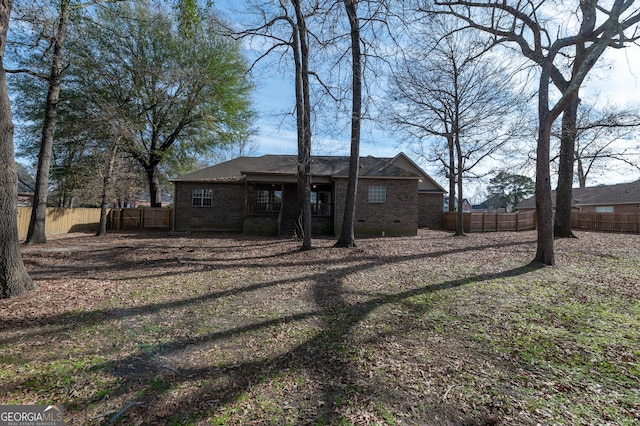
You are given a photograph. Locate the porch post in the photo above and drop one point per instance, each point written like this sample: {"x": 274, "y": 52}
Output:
{"x": 246, "y": 198}
{"x": 280, "y": 213}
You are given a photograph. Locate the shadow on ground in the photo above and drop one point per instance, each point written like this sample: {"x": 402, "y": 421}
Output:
{"x": 152, "y": 386}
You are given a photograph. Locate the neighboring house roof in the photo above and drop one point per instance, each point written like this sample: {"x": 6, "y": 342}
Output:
{"x": 622, "y": 193}
{"x": 287, "y": 165}
{"x": 26, "y": 182}
{"x": 465, "y": 203}
{"x": 493, "y": 202}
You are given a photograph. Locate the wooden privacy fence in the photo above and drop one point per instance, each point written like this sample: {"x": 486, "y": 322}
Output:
{"x": 61, "y": 220}
{"x": 491, "y": 222}
{"x": 145, "y": 218}
{"x": 609, "y": 222}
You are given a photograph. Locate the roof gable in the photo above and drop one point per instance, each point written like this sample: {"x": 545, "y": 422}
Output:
{"x": 427, "y": 183}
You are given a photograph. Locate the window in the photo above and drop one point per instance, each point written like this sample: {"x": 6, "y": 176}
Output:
{"x": 263, "y": 196}
{"x": 604, "y": 209}
{"x": 202, "y": 197}
{"x": 377, "y": 194}
{"x": 268, "y": 201}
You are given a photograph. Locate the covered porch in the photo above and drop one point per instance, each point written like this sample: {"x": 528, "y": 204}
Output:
{"x": 272, "y": 206}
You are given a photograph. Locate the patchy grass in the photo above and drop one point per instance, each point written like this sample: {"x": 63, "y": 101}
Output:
{"x": 234, "y": 330}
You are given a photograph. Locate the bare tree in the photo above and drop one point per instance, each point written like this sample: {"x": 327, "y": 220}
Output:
{"x": 603, "y": 137}
{"x": 371, "y": 41}
{"x": 300, "y": 47}
{"x": 284, "y": 27}
{"x": 564, "y": 191}
{"x": 562, "y": 223}
{"x": 332, "y": 41}
{"x": 347, "y": 235}
{"x": 546, "y": 42}
{"x": 14, "y": 279}
{"x": 455, "y": 102}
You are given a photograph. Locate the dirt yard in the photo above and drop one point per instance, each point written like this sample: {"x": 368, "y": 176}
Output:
{"x": 228, "y": 329}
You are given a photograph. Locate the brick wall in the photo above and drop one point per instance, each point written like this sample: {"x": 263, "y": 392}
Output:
{"x": 226, "y": 213}
{"x": 430, "y": 208}
{"x": 397, "y": 216}
{"x": 401, "y": 214}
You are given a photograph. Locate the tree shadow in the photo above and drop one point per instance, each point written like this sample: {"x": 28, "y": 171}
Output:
{"x": 323, "y": 356}
{"x": 119, "y": 263}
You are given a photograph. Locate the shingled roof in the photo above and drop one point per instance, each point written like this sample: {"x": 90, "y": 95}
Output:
{"x": 26, "y": 182}
{"x": 622, "y": 193}
{"x": 328, "y": 166}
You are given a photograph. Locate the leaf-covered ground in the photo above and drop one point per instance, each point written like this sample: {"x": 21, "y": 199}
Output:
{"x": 228, "y": 329}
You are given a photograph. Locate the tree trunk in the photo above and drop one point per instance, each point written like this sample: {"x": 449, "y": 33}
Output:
{"x": 155, "y": 192}
{"x": 303, "y": 114}
{"x": 452, "y": 175}
{"x": 347, "y": 235}
{"x": 564, "y": 192}
{"x": 582, "y": 178}
{"x": 544, "y": 207}
{"x": 14, "y": 279}
{"x": 304, "y": 199}
{"x": 460, "y": 221}
{"x": 102, "y": 227}
{"x": 36, "y": 232}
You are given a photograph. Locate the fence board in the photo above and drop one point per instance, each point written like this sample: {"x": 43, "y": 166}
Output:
{"x": 491, "y": 222}
{"x": 608, "y": 222}
{"x": 131, "y": 219}
{"x": 523, "y": 221}
{"x": 157, "y": 218}
{"x": 61, "y": 220}
{"x": 146, "y": 218}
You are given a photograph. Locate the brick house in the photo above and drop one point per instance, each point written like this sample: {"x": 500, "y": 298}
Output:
{"x": 258, "y": 195}
{"x": 618, "y": 198}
